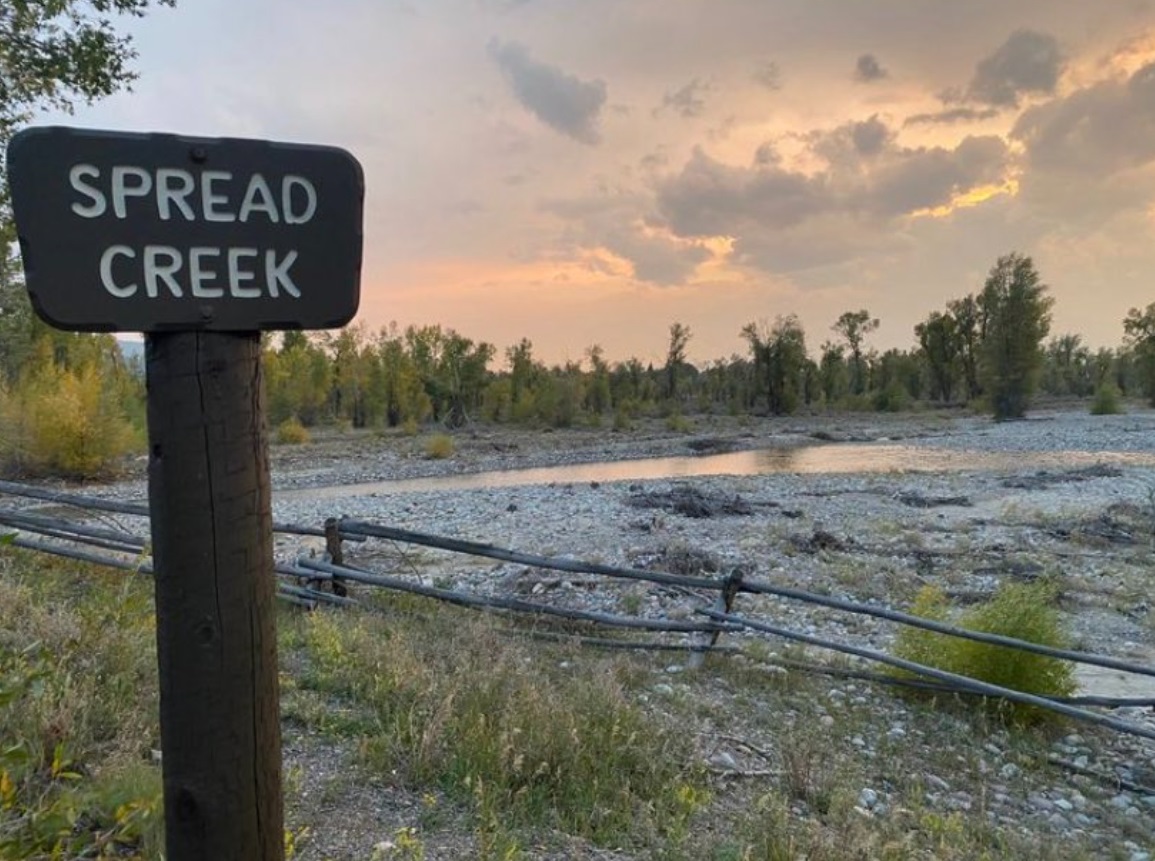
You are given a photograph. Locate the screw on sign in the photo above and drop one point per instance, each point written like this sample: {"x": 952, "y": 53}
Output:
{"x": 201, "y": 244}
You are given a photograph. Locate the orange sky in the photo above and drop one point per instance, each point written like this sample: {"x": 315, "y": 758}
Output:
{"x": 589, "y": 172}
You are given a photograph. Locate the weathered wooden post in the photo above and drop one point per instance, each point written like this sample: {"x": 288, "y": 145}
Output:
{"x": 200, "y": 244}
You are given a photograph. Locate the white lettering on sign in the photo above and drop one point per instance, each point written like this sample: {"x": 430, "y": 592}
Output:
{"x": 76, "y": 180}
{"x": 165, "y": 266}
{"x": 259, "y": 188}
{"x": 106, "y": 271}
{"x": 174, "y": 185}
{"x": 167, "y": 191}
{"x": 123, "y": 189}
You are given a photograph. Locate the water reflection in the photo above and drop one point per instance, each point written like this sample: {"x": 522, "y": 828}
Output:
{"x": 840, "y": 458}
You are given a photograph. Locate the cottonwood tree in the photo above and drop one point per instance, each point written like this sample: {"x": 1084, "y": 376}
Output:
{"x": 779, "y": 354}
{"x": 939, "y": 342}
{"x": 970, "y": 329}
{"x": 854, "y": 326}
{"x": 1139, "y": 329}
{"x": 676, "y": 357}
{"x": 1017, "y": 312}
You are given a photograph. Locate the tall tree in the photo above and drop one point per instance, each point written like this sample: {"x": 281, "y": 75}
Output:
{"x": 854, "y": 326}
{"x": 970, "y": 326}
{"x": 1139, "y": 329}
{"x": 939, "y": 341}
{"x": 676, "y": 357}
{"x": 1018, "y": 318}
{"x": 780, "y": 365}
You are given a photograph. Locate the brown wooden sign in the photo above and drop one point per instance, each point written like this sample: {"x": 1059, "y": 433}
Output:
{"x": 158, "y": 232}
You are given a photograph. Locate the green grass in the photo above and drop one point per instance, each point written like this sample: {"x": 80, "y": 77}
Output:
{"x": 521, "y": 744}
{"x": 446, "y": 701}
{"x": 77, "y": 712}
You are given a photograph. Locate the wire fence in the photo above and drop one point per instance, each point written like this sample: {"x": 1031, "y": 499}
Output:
{"x": 312, "y": 581}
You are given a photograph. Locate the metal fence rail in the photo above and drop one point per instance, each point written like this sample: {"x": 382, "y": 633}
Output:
{"x": 300, "y": 581}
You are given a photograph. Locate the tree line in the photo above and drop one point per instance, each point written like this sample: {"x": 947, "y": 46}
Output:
{"x": 71, "y": 402}
{"x": 988, "y": 349}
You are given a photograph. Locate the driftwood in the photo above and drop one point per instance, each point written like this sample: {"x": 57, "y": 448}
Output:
{"x": 690, "y": 502}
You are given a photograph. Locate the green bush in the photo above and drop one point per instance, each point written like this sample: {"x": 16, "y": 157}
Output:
{"x": 292, "y": 432}
{"x": 892, "y": 399}
{"x": 439, "y": 446}
{"x": 1025, "y": 612}
{"x": 1108, "y": 400}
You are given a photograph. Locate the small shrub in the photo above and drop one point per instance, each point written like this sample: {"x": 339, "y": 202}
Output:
{"x": 292, "y": 432}
{"x": 678, "y": 423}
{"x": 1108, "y": 400}
{"x": 439, "y": 446}
{"x": 892, "y": 399}
{"x": 1025, "y": 612}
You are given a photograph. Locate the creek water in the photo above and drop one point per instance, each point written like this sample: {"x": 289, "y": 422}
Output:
{"x": 826, "y": 458}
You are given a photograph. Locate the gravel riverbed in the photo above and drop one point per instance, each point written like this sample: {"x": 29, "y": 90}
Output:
{"x": 952, "y": 500}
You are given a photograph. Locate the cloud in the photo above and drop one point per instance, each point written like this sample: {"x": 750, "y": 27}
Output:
{"x": 1028, "y": 62}
{"x": 927, "y": 177}
{"x": 769, "y": 75}
{"x": 615, "y": 222}
{"x": 1091, "y": 153}
{"x": 709, "y": 198}
{"x": 867, "y": 69}
{"x": 688, "y": 101}
{"x": 562, "y": 101}
{"x": 867, "y": 185}
{"x": 952, "y": 115}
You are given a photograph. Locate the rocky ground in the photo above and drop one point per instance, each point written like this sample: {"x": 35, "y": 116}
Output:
{"x": 946, "y": 499}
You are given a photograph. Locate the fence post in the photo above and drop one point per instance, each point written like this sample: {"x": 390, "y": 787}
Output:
{"x": 724, "y": 603}
{"x": 210, "y": 504}
{"x": 336, "y": 555}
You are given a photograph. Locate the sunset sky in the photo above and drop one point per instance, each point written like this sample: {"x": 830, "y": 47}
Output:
{"x": 589, "y": 171}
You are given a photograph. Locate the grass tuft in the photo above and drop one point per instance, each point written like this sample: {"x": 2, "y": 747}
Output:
{"x": 439, "y": 446}
{"x": 292, "y": 432}
{"x": 506, "y": 726}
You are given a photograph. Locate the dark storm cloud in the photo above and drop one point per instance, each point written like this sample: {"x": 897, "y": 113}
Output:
{"x": 1028, "y": 62}
{"x": 562, "y": 101}
{"x": 867, "y": 69}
